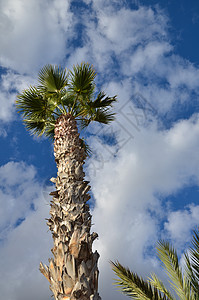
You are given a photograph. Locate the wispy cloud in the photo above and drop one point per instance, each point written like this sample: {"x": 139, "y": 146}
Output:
{"x": 23, "y": 233}
{"x": 34, "y": 33}
{"x": 180, "y": 223}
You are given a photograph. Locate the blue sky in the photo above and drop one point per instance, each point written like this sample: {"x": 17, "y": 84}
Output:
{"x": 144, "y": 170}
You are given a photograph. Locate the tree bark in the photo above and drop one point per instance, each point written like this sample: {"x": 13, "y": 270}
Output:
{"x": 73, "y": 272}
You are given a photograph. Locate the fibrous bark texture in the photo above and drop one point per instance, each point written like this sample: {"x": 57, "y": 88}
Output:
{"x": 73, "y": 272}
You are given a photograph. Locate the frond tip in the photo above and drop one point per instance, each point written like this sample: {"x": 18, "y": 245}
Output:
{"x": 82, "y": 79}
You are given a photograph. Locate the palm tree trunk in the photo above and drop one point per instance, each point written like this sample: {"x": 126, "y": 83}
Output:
{"x": 73, "y": 273}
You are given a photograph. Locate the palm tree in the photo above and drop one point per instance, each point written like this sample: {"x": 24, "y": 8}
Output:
{"x": 185, "y": 284}
{"x": 57, "y": 107}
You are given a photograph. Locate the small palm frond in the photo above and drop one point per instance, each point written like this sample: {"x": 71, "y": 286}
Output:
{"x": 49, "y": 130}
{"x": 159, "y": 285}
{"x": 83, "y": 123}
{"x": 86, "y": 147}
{"x": 102, "y": 101}
{"x": 132, "y": 285}
{"x": 36, "y": 127}
{"x": 82, "y": 79}
{"x": 52, "y": 79}
{"x": 40, "y": 127}
{"x": 169, "y": 258}
{"x": 31, "y": 104}
{"x": 98, "y": 110}
{"x": 100, "y": 115}
{"x": 103, "y": 116}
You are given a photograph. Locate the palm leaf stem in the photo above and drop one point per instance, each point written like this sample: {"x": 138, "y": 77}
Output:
{"x": 63, "y": 107}
{"x": 74, "y": 103}
{"x": 54, "y": 112}
{"x": 52, "y": 124}
{"x": 59, "y": 108}
{"x": 79, "y": 114}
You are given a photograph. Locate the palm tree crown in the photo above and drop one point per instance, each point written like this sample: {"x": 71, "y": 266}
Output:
{"x": 61, "y": 92}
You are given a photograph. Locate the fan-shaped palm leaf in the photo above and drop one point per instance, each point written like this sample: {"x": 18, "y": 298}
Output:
{"x": 102, "y": 101}
{"x": 36, "y": 127}
{"x": 103, "y": 116}
{"x": 82, "y": 79}
{"x": 52, "y": 79}
{"x": 31, "y": 104}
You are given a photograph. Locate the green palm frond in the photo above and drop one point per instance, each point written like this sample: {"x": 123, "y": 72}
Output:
{"x": 52, "y": 79}
{"x": 169, "y": 258}
{"x": 86, "y": 147}
{"x": 82, "y": 79}
{"x": 49, "y": 130}
{"x": 194, "y": 253}
{"x": 31, "y": 104}
{"x": 83, "y": 123}
{"x": 97, "y": 110}
{"x": 36, "y": 127}
{"x": 103, "y": 116}
{"x": 190, "y": 273}
{"x": 185, "y": 285}
{"x": 50, "y": 127}
{"x": 98, "y": 115}
{"x": 102, "y": 101}
{"x": 192, "y": 263}
{"x": 159, "y": 285}
{"x": 132, "y": 285}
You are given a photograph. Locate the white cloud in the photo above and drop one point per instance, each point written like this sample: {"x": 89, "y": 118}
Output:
{"x": 33, "y": 33}
{"x": 110, "y": 37}
{"x": 181, "y": 222}
{"x": 22, "y": 247}
{"x": 137, "y": 26}
{"x": 18, "y": 191}
{"x": 182, "y": 72}
{"x": 148, "y": 57}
